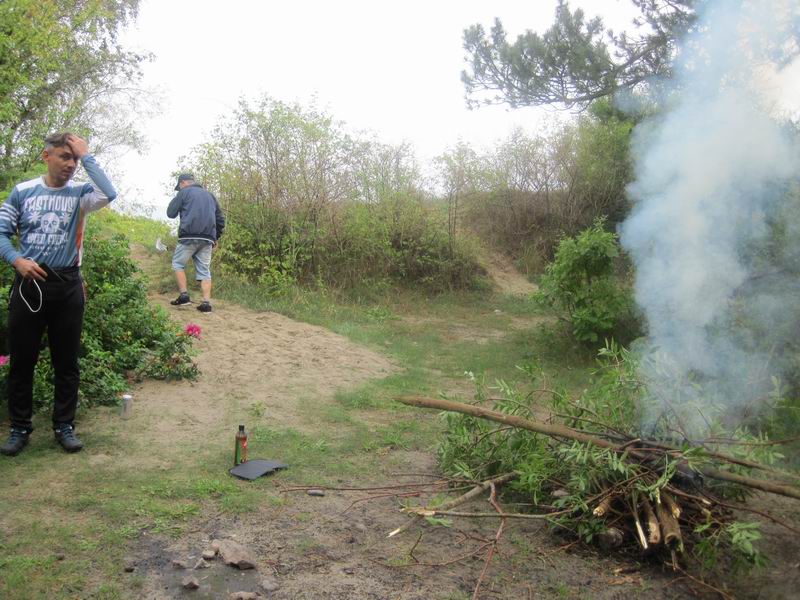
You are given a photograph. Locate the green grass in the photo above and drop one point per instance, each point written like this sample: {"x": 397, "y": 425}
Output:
{"x": 57, "y": 505}
{"x": 139, "y": 230}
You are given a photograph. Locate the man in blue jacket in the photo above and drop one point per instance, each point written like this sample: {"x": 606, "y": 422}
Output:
{"x": 201, "y": 225}
{"x": 47, "y": 215}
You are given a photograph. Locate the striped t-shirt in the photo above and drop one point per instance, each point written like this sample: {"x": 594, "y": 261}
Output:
{"x": 50, "y": 221}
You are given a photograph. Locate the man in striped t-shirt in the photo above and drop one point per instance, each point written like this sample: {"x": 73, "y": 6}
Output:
{"x": 48, "y": 215}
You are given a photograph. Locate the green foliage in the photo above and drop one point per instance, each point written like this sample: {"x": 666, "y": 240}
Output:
{"x": 528, "y": 192}
{"x": 733, "y": 541}
{"x": 137, "y": 229}
{"x": 60, "y": 64}
{"x": 123, "y": 336}
{"x": 576, "y": 60}
{"x": 307, "y": 202}
{"x": 573, "y": 476}
{"x": 581, "y": 286}
{"x": 603, "y": 166}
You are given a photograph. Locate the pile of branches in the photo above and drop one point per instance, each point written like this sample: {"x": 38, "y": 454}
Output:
{"x": 674, "y": 502}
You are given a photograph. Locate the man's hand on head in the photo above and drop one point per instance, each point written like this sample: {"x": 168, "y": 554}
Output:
{"x": 28, "y": 269}
{"x": 79, "y": 146}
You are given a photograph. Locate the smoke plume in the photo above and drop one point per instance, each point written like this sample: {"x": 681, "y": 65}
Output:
{"x": 714, "y": 234}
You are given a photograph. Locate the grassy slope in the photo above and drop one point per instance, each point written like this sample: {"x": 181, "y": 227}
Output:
{"x": 66, "y": 520}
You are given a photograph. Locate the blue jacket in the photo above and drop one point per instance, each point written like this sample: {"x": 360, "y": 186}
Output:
{"x": 201, "y": 217}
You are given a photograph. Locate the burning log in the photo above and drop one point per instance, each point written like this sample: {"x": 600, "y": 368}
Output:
{"x": 669, "y": 525}
{"x": 639, "y": 530}
{"x": 671, "y": 505}
{"x": 602, "y": 508}
{"x": 653, "y": 530}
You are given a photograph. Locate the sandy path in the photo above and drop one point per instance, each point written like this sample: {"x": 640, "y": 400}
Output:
{"x": 505, "y": 276}
{"x": 251, "y": 362}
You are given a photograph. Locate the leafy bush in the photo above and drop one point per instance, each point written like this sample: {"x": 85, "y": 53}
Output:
{"x": 123, "y": 336}
{"x": 581, "y": 286}
{"x": 307, "y": 202}
{"x": 529, "y": 191}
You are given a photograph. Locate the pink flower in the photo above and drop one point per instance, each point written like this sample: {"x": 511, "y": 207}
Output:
{"x": 193, "y": 330}
{"x": 3, "y": 360}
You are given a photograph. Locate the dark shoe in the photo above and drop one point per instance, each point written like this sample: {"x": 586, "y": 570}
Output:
{"x": 181, "y": 300}
{"x": 16, "y": 441}
{"x": 65, "y": 435}
{"x": 204, "y": 306}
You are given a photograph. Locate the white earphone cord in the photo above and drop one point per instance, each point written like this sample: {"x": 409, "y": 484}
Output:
{"x": 25, "y": 300}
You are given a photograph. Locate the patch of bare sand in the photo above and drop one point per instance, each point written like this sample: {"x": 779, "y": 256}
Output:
{"x": 505, "y": 276}
{"x": 250, "y": 362}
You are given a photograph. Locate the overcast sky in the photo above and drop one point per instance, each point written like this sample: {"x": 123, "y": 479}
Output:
{"x": 390, "y": 68}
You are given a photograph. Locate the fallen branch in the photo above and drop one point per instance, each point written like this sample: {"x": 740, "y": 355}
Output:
{"x": 634, "y": 513}
{"x": 423, "y": 512}
{"x": 560, "y": 431}
{"x": 493, "y": 547}
{"x": 473, "y": 493}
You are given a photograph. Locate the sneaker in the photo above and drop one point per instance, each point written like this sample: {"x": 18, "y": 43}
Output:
{"x": 65, "y": 435}
{"x": 181, "y": 300}
{"x": 204, "y": 306}
{"x": 16, "y": 441}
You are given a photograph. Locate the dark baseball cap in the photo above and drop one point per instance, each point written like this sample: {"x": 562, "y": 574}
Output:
{"x": 183, "y": 177}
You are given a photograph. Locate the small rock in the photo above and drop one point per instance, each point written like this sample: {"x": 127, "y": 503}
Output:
{"x": 209, "y": 554}
{"x": 348, "y": 571}
{"x": 269, "y": 584}
{"x": 316, "y": 492}
{"x": 244, "y": 596}
{"x": 610, "y": 538}
{"x": 190, "y": 583}
{"x": 129, "y": 564}
{"x": 201, "y": 564}
{"x": 236, "y": 555}
{"x": 560, "y": 493}
{"x": 60, "y": 556}
{"x": 350, "y": 540}
{"x": 179, "y": 563}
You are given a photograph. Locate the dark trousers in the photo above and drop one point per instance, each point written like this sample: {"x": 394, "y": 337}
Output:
{"x": 61, "y": 314}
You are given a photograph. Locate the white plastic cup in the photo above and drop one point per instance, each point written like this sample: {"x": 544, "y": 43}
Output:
{"x": 127, "y": 406}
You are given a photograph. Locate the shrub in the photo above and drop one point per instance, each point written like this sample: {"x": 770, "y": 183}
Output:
{"x": 581, "y": 286}
{"x": 123, "y": 336}
{"x": 528, "y": 192}
{"x": 307, "y": 202}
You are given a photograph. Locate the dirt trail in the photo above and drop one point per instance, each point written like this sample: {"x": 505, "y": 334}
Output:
{"x": 505, "y": 276}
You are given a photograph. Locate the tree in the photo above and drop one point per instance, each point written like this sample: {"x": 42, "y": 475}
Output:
{"x": 457, "y": 170}
{"x": 575, "y": 61}
{"x": 61, "y": 63}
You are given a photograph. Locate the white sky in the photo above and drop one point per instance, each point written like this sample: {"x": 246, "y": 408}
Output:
{"x": 393, "y": 69}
